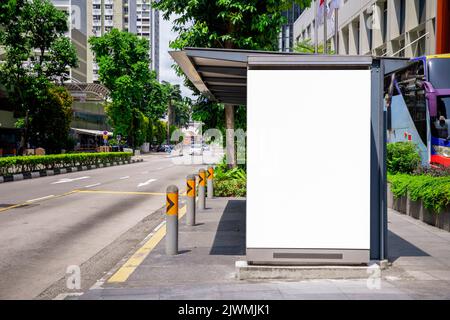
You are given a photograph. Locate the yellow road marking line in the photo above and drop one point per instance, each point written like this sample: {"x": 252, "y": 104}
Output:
{"x": 138, "y": 257}
{"x": 37, "y": 200}
{"x": 123, "y": 192}
{"x": 128, "y": 192}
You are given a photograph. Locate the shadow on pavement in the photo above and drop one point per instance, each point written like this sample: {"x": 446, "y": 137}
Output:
{"x": 230, "y": 235}
{"x": 399, "y": 247}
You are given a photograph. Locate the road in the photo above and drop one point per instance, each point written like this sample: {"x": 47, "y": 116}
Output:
{"x": 50, "y": 223}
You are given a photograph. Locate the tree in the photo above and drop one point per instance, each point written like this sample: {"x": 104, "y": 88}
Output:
{"x": 231, "y": 24}
{"x": 62, "y": 53}
{"x": 173, "y": 96}
{"x": 31, "y": 34}
{"x": 182, "y": 112}
{"x": 56, "y": 105}
{"x": 137, "y": 96}
{"x": 306, "y": 46}
{"x": 159, "y": 131}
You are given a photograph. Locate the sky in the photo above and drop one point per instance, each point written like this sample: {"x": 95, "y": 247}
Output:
{"x": 166, "y": 72}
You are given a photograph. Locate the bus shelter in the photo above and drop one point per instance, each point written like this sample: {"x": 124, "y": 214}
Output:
{"x": 316, "y": 136}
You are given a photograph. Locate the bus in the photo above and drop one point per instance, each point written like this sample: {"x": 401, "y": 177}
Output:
{"x": 418, "y": 107}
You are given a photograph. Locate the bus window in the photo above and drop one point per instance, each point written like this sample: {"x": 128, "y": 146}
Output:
{"x": 410, "y": 84}
{"x": 440, "y": 124}
{"x": 439, "y": 78}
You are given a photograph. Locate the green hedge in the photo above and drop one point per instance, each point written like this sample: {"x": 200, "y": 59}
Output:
{"x": 433, "y": 191}
{"x": 23, "y": 164}
{"x": 230, "y": 188}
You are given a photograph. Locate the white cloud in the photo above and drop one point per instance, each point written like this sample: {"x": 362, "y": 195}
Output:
{"x": 166, "y": 72}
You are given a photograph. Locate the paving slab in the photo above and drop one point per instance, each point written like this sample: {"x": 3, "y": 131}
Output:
{"x": 205, "y": 267}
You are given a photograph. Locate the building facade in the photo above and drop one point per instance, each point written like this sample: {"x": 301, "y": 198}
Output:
{"x": 401, "y": 28}
{"x": 97, "y": 17}
{"x": 141, "y": 19}
{"x": 286, "y": 40}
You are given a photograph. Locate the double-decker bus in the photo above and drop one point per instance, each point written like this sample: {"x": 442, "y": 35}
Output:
{"x": 418, "y": 107}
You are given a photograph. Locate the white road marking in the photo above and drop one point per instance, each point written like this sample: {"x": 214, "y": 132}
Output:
{"x": 146, "y": 182}
{"x": 65, "y": 180}
{"x": 126, "y": 177}
{"x": 37, "y": 199}
{"x": 159, "y": 168}
{"x": 93, "y": 185}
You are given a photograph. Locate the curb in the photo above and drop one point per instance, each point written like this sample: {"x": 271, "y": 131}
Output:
{"x": 47, "y": 173}
{"x": 246, "y": 271}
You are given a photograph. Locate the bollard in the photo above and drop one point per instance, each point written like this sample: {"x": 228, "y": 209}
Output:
{"x": 201, "y": 189}
{"x": 210, "y": 182}
{"x": 172, "y": 220}
{"x": 190, "y": 211}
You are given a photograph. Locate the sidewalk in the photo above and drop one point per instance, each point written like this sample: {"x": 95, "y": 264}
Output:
{"x": 205, "y": 267}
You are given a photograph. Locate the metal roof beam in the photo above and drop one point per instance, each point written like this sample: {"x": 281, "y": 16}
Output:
{"x": 225, "y": 80}
{"x": 224, "y": 70}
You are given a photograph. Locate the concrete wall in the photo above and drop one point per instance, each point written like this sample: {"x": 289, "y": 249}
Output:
{"x": 379, "y": 33}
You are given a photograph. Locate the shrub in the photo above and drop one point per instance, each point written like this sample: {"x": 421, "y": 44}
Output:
{"x": 434, "y": 171}
{"x": 230, "y": 188}
{"x": 433, "y": 191}
{"x": 230, "y": 182}
{"x": 22, "y": 164}
{"x": 402, "y": 157}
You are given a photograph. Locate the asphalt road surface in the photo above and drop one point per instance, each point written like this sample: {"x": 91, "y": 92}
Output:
{"x": 51, "y": 223}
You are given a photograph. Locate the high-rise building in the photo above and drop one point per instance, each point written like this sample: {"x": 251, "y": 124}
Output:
{"x": 141, "y": 19}
{"x": 76, "y": 10}
{"x": 97, "y": 17}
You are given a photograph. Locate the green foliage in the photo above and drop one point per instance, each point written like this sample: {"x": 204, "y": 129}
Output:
{"x": 52, "y": 135}
{"x": 159, "y": 132}
{"x": 229, "y": 182}
{"x": 61, "y": 54}
{"x": 32, "y": 35}
{"x": 230, "y": 188}
{"x": 137, "y": 96}
{"x": 230, "y": 24}
{"x": 402, "y": 157}
{"x": 22, "y": 164}
{"x": 306, "y": 46}
{"x": 433, "y": 191}
{"x": 212, "y": 114}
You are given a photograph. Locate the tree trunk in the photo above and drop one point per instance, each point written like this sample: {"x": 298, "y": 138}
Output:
{"x": 229, "y": 125}
{"x": 229, "y": 116}
{"x": 24, "y": 137}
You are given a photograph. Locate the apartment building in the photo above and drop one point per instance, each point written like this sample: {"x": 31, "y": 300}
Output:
{"x": 141, "y": 19}
{"x": 403, "y": 28}
{"x": 97, "y": 17}
{"x": 76, "y": 10}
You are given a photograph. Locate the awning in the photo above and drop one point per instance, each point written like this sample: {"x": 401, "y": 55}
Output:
{"x": 91, "y": 132}
{"x": 221, "y": 74}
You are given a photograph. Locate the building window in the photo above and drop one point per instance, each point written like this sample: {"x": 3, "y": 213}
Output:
{"x": 422, "y": 11}
{"x": 357, "y": 42}
{"x": 402, "y": 16}
{"x": 385, "y": 18}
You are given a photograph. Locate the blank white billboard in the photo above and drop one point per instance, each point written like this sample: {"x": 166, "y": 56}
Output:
{"x": 308, "y": 159}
